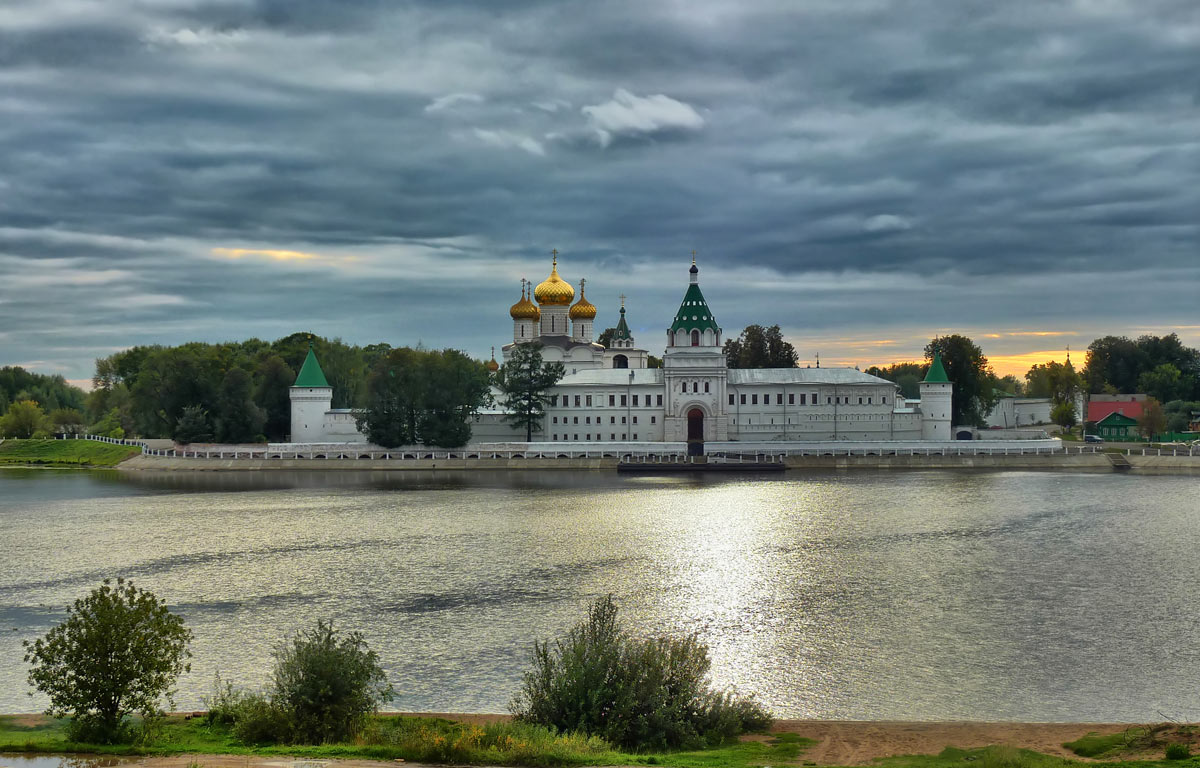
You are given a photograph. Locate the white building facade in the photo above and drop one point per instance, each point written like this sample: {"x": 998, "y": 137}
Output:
{"x": 611, "y": 395}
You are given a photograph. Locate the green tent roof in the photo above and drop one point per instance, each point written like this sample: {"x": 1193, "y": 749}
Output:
{"x": 694, "y": 314}
{"x": 937, "y": 372}
{"x": 311, "y": 374}
{"x": 622, "y": 330}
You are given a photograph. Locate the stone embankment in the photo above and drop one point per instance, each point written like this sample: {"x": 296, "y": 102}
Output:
{"x": 1075, "y": 462}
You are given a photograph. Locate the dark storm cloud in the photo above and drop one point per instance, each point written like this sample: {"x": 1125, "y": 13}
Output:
{"x": 858, "y": 159}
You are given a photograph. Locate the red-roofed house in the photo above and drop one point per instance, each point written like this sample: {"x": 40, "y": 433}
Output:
{"x": 1100, "y": 406}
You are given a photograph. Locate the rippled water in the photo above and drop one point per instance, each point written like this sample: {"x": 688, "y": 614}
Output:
{"x": 921, "y": 595}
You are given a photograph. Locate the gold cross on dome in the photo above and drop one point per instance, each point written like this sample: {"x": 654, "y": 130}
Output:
{"x": 693, "y": 256}
{"x": 554, "y": 252}
{"x": 622, "y": 301}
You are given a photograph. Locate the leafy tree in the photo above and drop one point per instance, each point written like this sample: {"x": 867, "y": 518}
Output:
{"x": 1011, "y": 385}
{"x": 653, "y": 362}
{"x": 395, "y": 399}
{"x": 50, "y": 392}
{"x": 605, "y": 337}
{"x": 968, "y": 370}
{"x": 1055, "y": 380}
{"x": 1153, "y": 421}
{"x": 271, "y": 394}
{"x": 238, "y": 418}
{"x": 759, "y": 347}
{"x": 66, "y": 421}
{"x": 456, "y": 388}
{"x": 109, "y": 425}
{"x": 23, "y": 420}
{"x": 525, "y": 384}
{"x": 1114, "y": 361}
{"x": 1063, "y": 414}
{"x": 193, "y": 426}
{"x": 119, "y": 651}
{"x": 326, "y": 684}
{"x": 639, "y": 694}
{"x": 907, "y": 376}
{"x": 1165, "y": 383}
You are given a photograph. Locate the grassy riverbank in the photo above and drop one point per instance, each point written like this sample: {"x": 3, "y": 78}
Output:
{"x": 413, "y": 739}
{"x": 64, "y": 453}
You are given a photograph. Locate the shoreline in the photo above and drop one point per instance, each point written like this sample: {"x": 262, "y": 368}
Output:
{"x": 836, "y": 742}
{"x": 792, "y": 465}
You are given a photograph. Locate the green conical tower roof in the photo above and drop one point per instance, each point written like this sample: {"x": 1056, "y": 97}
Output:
{"x": 694, "y": 314}
{"x": 937, "y": 371}
{"x": 622, "y": 331}
{"x": 311, "y": 374}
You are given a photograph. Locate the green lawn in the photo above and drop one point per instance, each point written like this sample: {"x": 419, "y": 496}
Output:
{"x": 415, "y": 740}
{"x": 64, "y": 453}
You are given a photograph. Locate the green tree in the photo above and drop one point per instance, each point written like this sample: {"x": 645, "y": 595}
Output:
{"x": 974, "y": 395}
{"x": 109, "y": 425}
{"x": 653, "y": 362}
{"x": 1164, "y": 383}
{"x": 457, "y": 387}
{"x": 605, "y": 338}
{"x": 1055, "y": 380}
{"x": 759, "y": 347}
{"x": 238, "y": 418}
{"x": 1153, "y": 421}
{"x": 193, "y": 426}
{"x": 23, "y": 420}
{"x": 907, "y": 376}
{"x": 118, "y": 652}
{"x": 525, "y": 382}
{"x": 66, "y": 421}
{"x": 271, "y": 393}
{"x": 1114, "y": 361}
{"x": 1063, "y": 414}
{"x": 395, "y": 399}
{"x": 327, "y": 684}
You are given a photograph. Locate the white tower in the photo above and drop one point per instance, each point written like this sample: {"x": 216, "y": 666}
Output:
{"x": 695, "y": 371}
{"x": 936, "y": 398}
{"x": 311, "y": 397}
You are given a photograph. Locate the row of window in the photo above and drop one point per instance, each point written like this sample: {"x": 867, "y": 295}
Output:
{"x": 599, "y": 436}
{"x": 585, "y": 401}
{"x": 600, "y": 420}
{"x": 829, "y": 399}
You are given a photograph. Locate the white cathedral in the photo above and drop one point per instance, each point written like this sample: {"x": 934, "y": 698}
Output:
{"x": 609, "y": 394}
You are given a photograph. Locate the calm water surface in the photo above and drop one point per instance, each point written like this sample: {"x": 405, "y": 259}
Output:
{"x": 926, "y": 595}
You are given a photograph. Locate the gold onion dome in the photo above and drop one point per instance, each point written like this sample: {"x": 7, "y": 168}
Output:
{"x": 492, "y": 365}
{"x": 583, "y": 309}
{"x": 525, "y": 309}
{"x": 554, "y": 291}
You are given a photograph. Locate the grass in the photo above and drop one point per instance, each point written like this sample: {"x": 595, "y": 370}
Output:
{"x": 413, "y": 739}
{"x": 64, "y": 453}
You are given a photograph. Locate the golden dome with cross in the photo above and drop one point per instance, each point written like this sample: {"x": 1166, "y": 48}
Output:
{"x": 554, "y": 291}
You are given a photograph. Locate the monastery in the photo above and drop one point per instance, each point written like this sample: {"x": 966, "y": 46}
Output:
{"x": 609, "y": 394}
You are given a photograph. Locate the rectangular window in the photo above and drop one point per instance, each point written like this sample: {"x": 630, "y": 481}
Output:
{"x": 828, "y": 400}
{"x": 576, "y": 421}
{"x": 589, "y": 401}
{"x": 803, "y": 399}
{"x": 883, "y": 399}
{"x": 754, "y": 399}
{"x": 731, "y": 398}
{"x": 860, "y": 401}
{"x": 612, "y": 400}
{"x": 868, "y": 400}
{"x": 587, "y": 436}
{"x": 624, "y": 400}
{"x": 779, "y": 399}
{"x": 635, "y": 419}
{"x": 612, "y": 419}
{"x": 635, "y": 435}
{"x": 706, "y": 387}
{"x": 814, "y": 398}
{"x": 555, "y": 419}
{"x": 576, "y": 401}
{"x": 792, "y": 398}
{"x": 555, "y": 437}
{"x": 743, "y": 401}
{"x": 635, "y": 401}
{"x": 587, "y": 419}
{"x": 576, "y": 437}
{"x": 612, "y": 435}
{"x": 622, "y": 419}
{"x": 653, "y": 419}
{"x": 660, "y": 399}
{"x": 624, "y": 435}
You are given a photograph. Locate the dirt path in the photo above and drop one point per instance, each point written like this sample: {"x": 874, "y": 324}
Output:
{"x": 858, "y": 743}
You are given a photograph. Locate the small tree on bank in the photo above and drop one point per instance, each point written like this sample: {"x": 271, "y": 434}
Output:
{"x": 638, "y": 694}
{"x": 326, "y": 684}
{"x": 118, "y": 652}
{"x": 525, "y": 382}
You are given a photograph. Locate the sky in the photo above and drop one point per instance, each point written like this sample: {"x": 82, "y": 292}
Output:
{"x": 865, "y": 173}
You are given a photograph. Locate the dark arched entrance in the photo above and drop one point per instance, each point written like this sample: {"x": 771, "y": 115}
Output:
{"x": 620, "y": 361}
{"x": 695, "y": 433}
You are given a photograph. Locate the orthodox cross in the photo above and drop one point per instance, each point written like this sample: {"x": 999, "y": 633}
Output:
{"x": 622, "y": 301}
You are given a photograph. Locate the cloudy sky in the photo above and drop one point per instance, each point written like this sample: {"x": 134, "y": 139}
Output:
{"x": 865, "y": 173}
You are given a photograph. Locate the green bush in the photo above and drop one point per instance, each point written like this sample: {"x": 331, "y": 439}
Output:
{"x": 638, "y": 694}
{"x": 118, "y": 651}
{"x": 325, "y": 685}
{"x": 257, "y": 720}
{"x": 1178, "y": 752}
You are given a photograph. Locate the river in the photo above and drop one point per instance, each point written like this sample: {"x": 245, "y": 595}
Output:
{"x": 933, "y": 595}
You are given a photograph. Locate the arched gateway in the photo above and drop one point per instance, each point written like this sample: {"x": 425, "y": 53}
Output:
{"x": 695, "y": 432}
